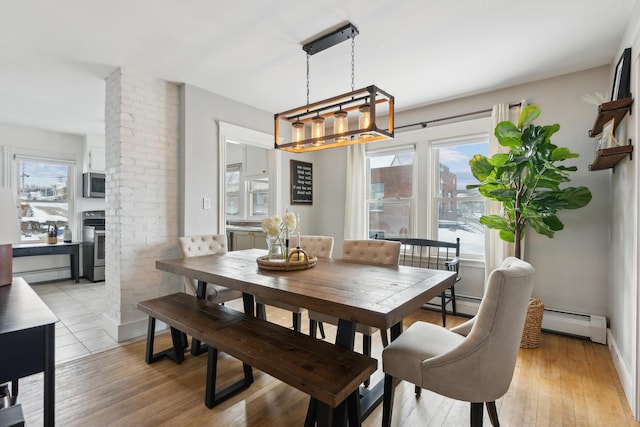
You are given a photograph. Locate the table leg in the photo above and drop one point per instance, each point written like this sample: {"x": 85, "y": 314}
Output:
{"x": 74, "y": 258}
{"x": 49, "y": 375}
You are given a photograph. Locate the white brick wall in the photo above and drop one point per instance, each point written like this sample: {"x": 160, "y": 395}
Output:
{"x": 142, "y": 194}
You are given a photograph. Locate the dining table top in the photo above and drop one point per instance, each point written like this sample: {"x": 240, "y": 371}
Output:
{"x": 378, "y": 296}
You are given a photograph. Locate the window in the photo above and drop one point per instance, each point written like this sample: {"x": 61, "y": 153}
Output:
{"x": 245, "y": 197}
{"x": 419, "y": 187}
{"x": 44, "y": 194}
{"x": 232, "y": 190}
{"x": 458, "y": 210}
{"x": 390, "y": 198}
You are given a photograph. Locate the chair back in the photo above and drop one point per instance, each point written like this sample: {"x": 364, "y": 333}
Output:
{"x": 377, "y": 252}
{"x": 191, "y": 246}
{"x": 487, "y": 356}
{"x": 320, "y": 246}
{"x": 426, "y": 253}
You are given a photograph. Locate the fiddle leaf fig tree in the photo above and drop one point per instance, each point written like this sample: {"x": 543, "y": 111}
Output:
{"x": 527, "y": 179}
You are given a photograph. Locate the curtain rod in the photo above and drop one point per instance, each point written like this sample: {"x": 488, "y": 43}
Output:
{"x": 457, "y": 116}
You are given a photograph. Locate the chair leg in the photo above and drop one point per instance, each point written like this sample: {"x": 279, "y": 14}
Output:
{"x": 313, "y": 328}
{"x": 493, "y": 413}
{"x": 444, "y": 309}
{"x": 297, "y": 321}
{"x": 418, "y": 391}
{"x": 321, "y": 326}
{"x": 387, "y": 403}
{"x": 385, "y": 338}
{"x": 453, "y": 301}
{"x": 366, "y": 350}
{"x": 476, "y": 414}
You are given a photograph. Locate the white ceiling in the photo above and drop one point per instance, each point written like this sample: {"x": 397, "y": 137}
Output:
{"x": 55, "y": 55}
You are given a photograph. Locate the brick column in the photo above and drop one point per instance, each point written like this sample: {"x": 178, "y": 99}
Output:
{"x": 141, "y": 195}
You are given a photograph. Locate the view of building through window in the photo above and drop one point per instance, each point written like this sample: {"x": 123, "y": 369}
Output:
{"x": 456, "y": 210}
{"x": 390, "y": 194}
{"x": 43, "y": 192}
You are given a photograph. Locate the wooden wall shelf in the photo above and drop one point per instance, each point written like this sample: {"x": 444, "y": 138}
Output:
{"x": 607, "y": 158}
{"x": 611, "y": 110}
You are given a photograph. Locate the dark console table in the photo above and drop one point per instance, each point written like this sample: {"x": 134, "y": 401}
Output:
{"x": 27, "y": 340}
{"x": 71, "y": 249}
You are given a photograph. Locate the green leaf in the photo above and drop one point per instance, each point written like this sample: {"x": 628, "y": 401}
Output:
{"x": 508, "y": 134}
{"x": 481, "y": 167}
{"x": 560, "y": 154}
{"x": 540, "y": 227}
{"x": 496, "y": 222}
{"x": 553, "y": 222}
{"x": 576, "y": 197}
{"x": 507, "y": 236}
{"x": 528, "y": 115}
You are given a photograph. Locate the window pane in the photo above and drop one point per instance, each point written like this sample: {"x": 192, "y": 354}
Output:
{"x": 389, "y": 219}
{"x": 43, "y": 195}
{"x": 390, "y": 194}
{"x": 458, "y": 209}
{"x": 259, "y": 196}
{"x": 232, "y": 190}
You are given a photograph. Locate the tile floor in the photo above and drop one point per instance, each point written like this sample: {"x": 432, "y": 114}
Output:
{"x": 79, "y": 306}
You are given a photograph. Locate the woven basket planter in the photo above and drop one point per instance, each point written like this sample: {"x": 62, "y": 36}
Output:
{"x": 532, "y": 333}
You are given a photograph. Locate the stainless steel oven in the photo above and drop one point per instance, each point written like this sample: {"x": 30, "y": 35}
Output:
{"x": 93, "y": 245}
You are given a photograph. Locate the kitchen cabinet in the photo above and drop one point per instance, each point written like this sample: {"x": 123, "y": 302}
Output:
{"x": 256, "y": 161}
{"x": 242, "y": 239}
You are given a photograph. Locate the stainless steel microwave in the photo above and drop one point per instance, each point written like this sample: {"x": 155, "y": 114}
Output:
{"x": 93, "y": 184}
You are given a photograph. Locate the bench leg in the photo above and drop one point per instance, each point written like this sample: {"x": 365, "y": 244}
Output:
{"x": 176, "y": 353}
{"x": 197, "y": 348}
{"x": 212, "y": 398}
{"x": 297, "y": 322}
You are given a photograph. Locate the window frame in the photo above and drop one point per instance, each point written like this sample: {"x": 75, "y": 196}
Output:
{"x": 426, "y": 168}
{"x": 72, "y": 180}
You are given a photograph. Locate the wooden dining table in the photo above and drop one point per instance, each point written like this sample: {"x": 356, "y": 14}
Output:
{"x": 374, "y": 295}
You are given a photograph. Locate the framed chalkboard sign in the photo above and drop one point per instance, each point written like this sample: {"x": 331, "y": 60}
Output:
{"x": 301, "y": 183}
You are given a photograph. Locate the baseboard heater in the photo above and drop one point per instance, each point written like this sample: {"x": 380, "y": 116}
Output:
{"x": 589, "y": 326}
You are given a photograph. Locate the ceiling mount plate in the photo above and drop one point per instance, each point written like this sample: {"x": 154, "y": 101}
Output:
{"x": 331, "y": 39}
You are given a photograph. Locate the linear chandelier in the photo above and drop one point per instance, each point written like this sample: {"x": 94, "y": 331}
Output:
{"x": 332, "y": 122}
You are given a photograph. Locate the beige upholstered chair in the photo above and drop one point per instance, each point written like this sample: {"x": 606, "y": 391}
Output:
{"x": 191, "y": 246}
{"x": 319, "y": 246}
{"x": 473, "y": 362}
{"x": 375, "y": 252}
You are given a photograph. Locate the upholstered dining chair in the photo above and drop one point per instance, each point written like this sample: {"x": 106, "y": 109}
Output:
{"x": 473, "y": 362}
{"x": 211, "y": 244}
{"x": 319, "y": 246}
{"x": 374, "y": 252}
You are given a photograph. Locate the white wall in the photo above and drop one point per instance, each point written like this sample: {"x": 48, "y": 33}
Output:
{"x": 201, "y": 112}
{"x": 623, "y": 240}
{"x": 571, "y": 269}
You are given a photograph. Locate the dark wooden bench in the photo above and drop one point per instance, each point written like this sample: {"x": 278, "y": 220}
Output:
{"x": 328, "y": 373}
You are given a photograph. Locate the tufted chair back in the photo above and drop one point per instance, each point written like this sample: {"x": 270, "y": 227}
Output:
{"x": 203, "y": 245}
{"x": 210, "y": 244}
{"x": 378, "y": 252}
{"x": 320, "y": 246}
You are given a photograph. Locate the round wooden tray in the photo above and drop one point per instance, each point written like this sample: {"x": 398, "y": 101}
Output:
{"x": 281, "y": 265}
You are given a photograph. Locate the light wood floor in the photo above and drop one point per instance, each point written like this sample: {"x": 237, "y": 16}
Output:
{"x": 565, "y": 382}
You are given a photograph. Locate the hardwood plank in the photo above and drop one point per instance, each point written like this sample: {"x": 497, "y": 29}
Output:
{"x": 117, "y": 388}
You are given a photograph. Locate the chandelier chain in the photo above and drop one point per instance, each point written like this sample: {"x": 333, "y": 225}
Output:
{"x": 308, "y": 56}
{"x": 353, "y": 63}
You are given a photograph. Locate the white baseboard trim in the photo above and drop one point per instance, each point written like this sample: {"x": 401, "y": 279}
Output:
{"x": 131, "y": 330}
{"x": 48, "y": 275}
{"x": 624, "y": 374}
{"x": 593, "y": 327}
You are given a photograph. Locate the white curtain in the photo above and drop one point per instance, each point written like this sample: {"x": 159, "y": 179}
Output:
{"x": 355, "y": 213}
{"x": 496, "y": 249}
